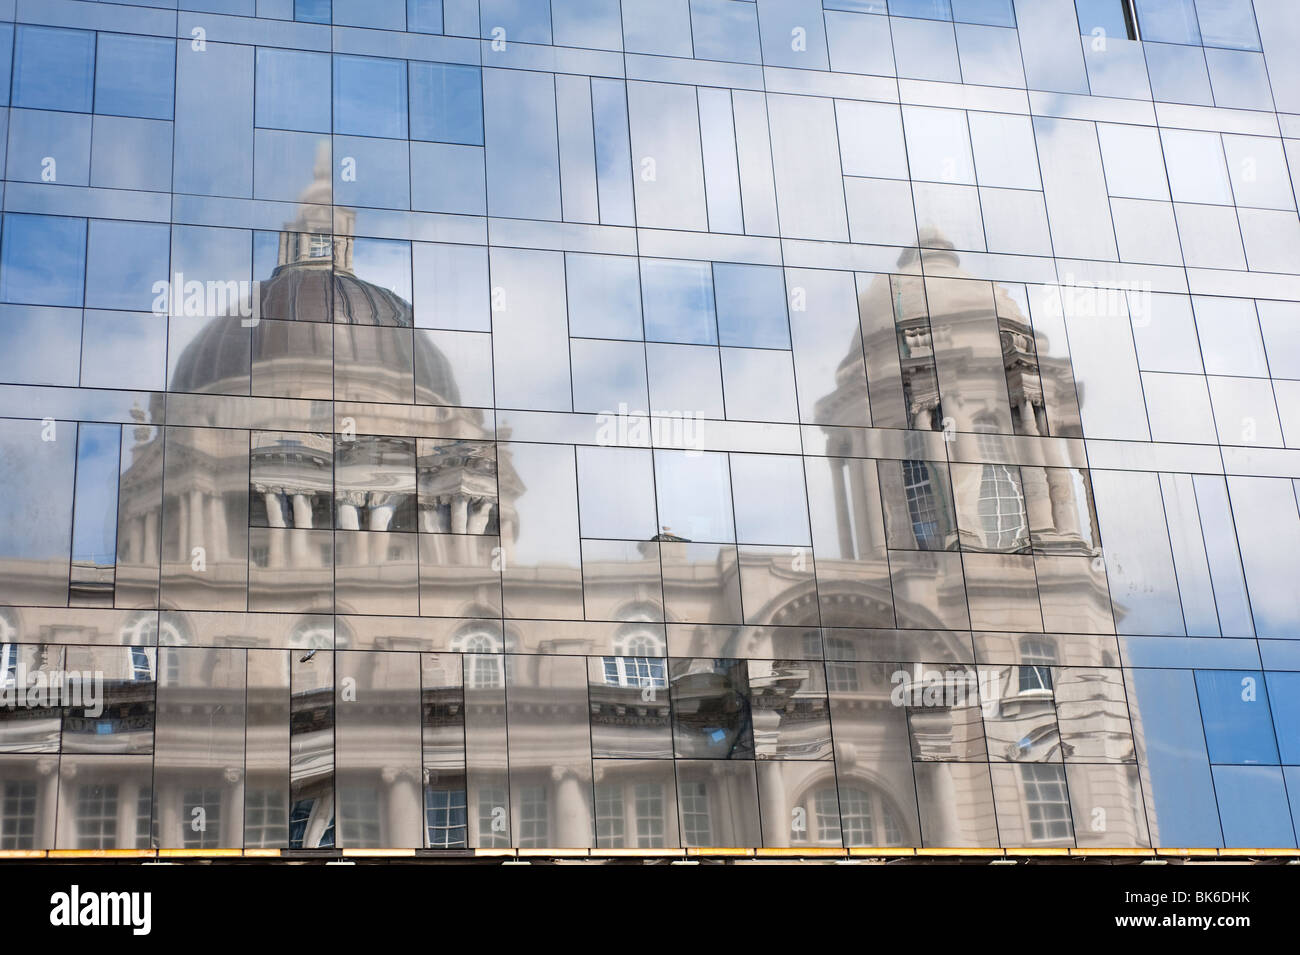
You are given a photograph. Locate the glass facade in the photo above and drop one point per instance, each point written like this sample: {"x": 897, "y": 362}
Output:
{"x": 584, "y": 424}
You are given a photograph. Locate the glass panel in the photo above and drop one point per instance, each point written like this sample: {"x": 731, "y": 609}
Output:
{"x": 28, "y": 799}
{"x": 711, "y": 709}
{"x": 94, "y": 526}
{"x": 1107, "y": 805}
{"x": 956, "y": 804}
{"x": 717, "y": 803}
{"x": 1268, "y": 528}
{"x": 105, "y": 802}
{"x": 54, "y": 69}
{"x": 1033, "y": 805}
{"x": 636, "y": 804}
{"x": 530, "y": 340}
{"x": 919, "y": 512}
{"x": 1168, "y": 21}
{"x": 629, "y": 705}
{"x": 678, "y": 299}
{"x": 266, "y": 760}
{"x": 790, "y": 711}
{"x": 540, "y": 531}
{"x": 311, "y": 750}
{"x": 550, "y": 755}
{"x": 378, "y": 749}
{"x": 198, "y": 765}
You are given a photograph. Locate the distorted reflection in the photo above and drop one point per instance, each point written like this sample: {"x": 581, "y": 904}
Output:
{"x": 329, "y": 531}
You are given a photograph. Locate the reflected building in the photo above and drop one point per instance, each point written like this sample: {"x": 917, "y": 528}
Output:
{"x": 588, "y": 462}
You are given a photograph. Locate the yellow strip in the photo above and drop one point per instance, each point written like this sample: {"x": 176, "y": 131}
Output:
{"x": 809, "y": 852}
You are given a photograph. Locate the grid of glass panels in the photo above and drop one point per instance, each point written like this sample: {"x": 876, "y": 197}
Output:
{"x": 476, "y": 423}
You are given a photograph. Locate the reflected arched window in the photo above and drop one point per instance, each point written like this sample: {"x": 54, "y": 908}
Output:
{"x": 311, "y": 635}
{"x": 1002, "y": 508}
{"x": 142, "y": 631}
{"x": 486, "y": 667}
{"x": 640, "y": 662}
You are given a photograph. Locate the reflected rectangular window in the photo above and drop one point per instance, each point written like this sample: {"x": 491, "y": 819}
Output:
{"x": 919, "y": 513}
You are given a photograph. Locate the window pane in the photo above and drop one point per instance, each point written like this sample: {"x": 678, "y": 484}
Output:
{"x": 44, "y": 260}
{"x": 54, "y": 69}
{"x": 293, "y": 90}
{"x": 1168, "y": 21}
{"x": 678, "y": 300}
{"x": 135, "y": 76}
{"x": 369, "y": 96}
{"x": 446, "y": 103}
{"x": 751, "y": 306}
